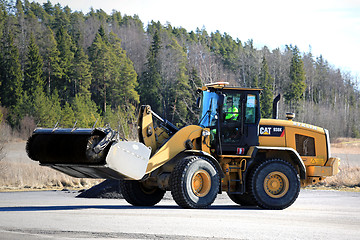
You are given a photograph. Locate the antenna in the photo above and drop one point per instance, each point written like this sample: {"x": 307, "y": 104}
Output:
{"x": 95, "y": 123}
{"x": 74, "y": 124}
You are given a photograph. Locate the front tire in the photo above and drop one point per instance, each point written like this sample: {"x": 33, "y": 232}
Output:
{"x": 275, "y": 184}
{"x": 138, "y": 194}
{"x": 194, "y": 182}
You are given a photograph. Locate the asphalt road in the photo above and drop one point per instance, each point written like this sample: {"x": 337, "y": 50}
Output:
{"x": 59, "y": 215}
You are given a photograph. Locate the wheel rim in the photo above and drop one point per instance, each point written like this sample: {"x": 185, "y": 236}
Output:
{"x": 276, "y": 184}
{"x": 201, "y": 183}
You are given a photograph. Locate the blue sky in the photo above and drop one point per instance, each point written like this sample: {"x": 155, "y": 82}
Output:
{"x": 330, "y": 27}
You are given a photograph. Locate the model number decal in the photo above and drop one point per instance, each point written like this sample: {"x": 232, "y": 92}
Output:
{"x": 305, "y": 125}
{"x": 271, "y": 131}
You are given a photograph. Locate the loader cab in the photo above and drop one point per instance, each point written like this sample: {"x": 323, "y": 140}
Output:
{"x": 233, "y": 116}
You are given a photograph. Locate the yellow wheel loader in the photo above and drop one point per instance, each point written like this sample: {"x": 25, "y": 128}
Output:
{"x": 257, "y": 162}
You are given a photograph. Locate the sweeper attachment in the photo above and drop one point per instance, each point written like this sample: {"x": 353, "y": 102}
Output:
{"x": 88, "y": 153}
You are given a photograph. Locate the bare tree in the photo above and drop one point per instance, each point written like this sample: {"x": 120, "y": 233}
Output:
{"x": 207, "y": 64}
{"x": 133, "y": 40}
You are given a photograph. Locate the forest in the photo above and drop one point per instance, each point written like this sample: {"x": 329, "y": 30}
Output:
{"x": 62, "y": 67}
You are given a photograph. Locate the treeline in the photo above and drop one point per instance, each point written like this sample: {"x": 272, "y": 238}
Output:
{"x": 65, "y": 67}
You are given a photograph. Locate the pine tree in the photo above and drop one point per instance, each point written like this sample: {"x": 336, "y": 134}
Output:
{"x": 20, "y": 17}
{"x": 3, "y": 16}
{"x": 10, "y": 73}
{"x": 41, "y": 109}
{"x": 41, "y": 14}
{"x": 177, "y": 96}
{"x": 295, "y": 90}
{"x": 81, "y": 73}
{"x": 55, "y": 109}
{"x": 61, "y": 19}
{"x": 53, "y": 71}
{"x": 34, "y": 12}
{"x": 77, "y": 28}
{"x": 65, "y": 85}
{"x": 149, "y": 83}
{"x": 124, "y": 77}
{"x": 103, "y": 35}
{"x": 85, "y": 111}
{"x": 48, "y": 7}
{"x": 266, "y": 83}
{"x": 101, "y": 67}
{"x": 33, "y": 74}
{"x": 67, "y": 116}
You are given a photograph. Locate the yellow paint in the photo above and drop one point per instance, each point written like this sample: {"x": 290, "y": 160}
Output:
{"x": 174, "y": 146}
{"x": 288, "y": 140}
{"x": 147, "y": 126}
{"x": 316, "y": 170}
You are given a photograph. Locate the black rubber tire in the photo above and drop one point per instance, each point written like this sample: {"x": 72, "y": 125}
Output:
{"x": 137, "y": 194}
{"x": 242, "y": 199}
{"x": 181, "y": 181}
{"x": 257, "y": 184}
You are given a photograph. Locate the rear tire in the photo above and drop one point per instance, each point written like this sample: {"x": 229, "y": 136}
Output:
{"x": 194, "y": 182}
{"x": 138, "y": 194}
{"x": 275, "y": 184}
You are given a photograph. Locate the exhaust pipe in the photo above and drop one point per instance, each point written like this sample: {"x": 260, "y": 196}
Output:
{"x": 275, "y": 106}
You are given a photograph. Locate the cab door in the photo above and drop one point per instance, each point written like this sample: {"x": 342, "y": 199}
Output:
{"x": 239, "y": 122}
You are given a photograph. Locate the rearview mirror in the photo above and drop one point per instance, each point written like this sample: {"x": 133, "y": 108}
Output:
{"x": 198, "y": 102}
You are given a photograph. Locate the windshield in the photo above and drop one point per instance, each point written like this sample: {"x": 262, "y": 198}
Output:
{"x": 209, "y": 105}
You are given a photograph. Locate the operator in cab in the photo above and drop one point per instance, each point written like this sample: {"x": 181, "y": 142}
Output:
{"x": 232, "y": 112}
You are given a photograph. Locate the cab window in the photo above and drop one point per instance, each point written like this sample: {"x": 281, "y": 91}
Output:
{"x": 232, "y": 107}
{"x": 250, "y": 112}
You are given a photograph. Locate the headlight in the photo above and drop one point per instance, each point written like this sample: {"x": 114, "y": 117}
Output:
{"x": 205, "y": 133}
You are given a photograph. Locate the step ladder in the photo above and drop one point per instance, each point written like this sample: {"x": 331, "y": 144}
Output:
{"x": 240, "y": 186}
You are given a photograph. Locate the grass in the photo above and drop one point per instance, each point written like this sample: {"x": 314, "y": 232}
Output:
{"x": 346, "y": 145}
{"x": 31, "y": 176}
{"x": 348, "y": 179}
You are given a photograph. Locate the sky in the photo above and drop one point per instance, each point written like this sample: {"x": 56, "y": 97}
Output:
{"x": 330, "y": 28}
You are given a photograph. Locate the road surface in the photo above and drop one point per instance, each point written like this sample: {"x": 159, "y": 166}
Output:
{"x": 59, "y": 215}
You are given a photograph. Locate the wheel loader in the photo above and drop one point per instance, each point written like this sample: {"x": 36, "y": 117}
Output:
{"x": 257, "y": 162}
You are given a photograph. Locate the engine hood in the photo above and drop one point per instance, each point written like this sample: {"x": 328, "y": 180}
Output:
{"x": 291, "y": 124}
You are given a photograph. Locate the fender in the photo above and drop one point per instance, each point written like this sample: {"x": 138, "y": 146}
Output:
{"x": 210, "y": 157}
{"x": 174, "y": 146}
{"x": 292, "y": 153}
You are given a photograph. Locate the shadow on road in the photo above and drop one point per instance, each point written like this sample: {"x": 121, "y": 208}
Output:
{"x": 114, "y": 207}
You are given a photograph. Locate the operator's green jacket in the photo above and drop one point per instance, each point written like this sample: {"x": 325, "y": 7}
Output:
{"x": 232, "y": 114}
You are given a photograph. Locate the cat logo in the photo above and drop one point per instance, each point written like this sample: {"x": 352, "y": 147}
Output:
{"x": 272, "y": 131}
{"x": 265, "y": 130}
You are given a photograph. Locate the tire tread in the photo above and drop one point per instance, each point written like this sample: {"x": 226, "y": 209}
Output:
{"x": 177, "y": 176}
{"x": 252, "y": 186}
